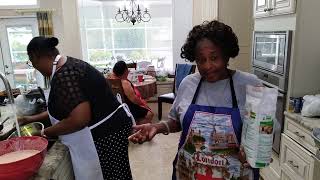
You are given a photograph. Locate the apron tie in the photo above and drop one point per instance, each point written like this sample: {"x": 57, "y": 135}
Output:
{"x": 126, "y": 109}
{"x": 122, "y": 105}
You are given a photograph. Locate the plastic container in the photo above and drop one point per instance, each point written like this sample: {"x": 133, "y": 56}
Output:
{"x": 140, "y": 78}
{"x": 298, "y": 104}
{"x": 22, "y": 169}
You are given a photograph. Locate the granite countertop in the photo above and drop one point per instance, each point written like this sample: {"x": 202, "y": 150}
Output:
{"x": 56, "y": 154}
{"x": 306, "y": 122}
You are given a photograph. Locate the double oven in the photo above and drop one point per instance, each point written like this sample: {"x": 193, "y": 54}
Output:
{"x": 270, "y": 63}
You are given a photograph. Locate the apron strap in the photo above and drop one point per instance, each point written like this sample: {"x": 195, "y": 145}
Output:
{"x": 54, "y": 67}
{"x": 233, "y": 93}
{"x": 127, "y": 111}
{"x": 197, "y": 91}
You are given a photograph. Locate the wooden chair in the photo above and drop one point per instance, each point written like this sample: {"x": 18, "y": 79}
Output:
{"x": 169, "y": 97}
{"x": 132, "y": 65}
{"x": 117, "y": 88}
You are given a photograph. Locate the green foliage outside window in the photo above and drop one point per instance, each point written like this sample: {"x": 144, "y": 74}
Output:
{"x": 100, "y": 55}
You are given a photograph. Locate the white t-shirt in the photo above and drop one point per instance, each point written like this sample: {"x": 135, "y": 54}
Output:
{"x": 216, "y": 94}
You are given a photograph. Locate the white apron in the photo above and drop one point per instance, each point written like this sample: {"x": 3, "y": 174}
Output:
{"x": 84, "y": 156}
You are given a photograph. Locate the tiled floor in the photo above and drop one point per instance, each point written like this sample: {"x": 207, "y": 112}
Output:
{"x": 153, "y": 160}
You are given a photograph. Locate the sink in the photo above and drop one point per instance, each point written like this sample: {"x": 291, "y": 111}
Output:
{"x": 8, "y": 126}
{"x": 8, "y": 132}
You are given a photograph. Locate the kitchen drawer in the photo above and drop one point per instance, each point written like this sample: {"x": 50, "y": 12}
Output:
{"x": 284, "y": 176}
{"x": 300, "y": 134}
{"x": 273, "y": 171}
{"x": 295, "y": 161}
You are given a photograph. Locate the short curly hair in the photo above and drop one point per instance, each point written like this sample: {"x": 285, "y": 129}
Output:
{"x": 217, "y": 32}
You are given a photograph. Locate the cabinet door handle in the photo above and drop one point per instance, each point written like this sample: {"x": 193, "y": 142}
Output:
{"x": 298, "y": 134}
{"x": 292, "y": 164}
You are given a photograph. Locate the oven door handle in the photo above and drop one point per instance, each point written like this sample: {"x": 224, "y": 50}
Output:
{"x": 270, "y": 86}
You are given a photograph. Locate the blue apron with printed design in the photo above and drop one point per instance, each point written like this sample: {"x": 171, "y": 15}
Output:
{"x": 209, "y": 143}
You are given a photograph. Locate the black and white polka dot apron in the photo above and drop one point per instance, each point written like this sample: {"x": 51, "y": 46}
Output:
{"x": 84, "y": 151}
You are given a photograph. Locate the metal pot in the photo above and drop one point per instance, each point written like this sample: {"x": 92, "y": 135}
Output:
{"x": 29, "y": 130}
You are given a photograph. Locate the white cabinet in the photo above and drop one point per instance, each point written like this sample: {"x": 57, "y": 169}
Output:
{"x": 283, "y": 7}
{"x": 264, "y": 8}
{"x": 273, "y": 171}
{"x": 284, "y": 176}
{"x": 261, "y": 8}
{"x": 298, "y": 160}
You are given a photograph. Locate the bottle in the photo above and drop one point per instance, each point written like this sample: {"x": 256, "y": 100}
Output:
{"x": 291, "y": 105}
{"x": 297, "y": 104}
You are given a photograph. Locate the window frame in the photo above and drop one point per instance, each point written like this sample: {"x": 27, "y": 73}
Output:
{"x": 147, "y": 50}
{"x": 21, "y": 6}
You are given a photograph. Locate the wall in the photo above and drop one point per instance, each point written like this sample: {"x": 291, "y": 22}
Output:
{"x": 204, "y": 10}
{"x": 304, "y": 73}
{"x": 238, "y": 15}
{"x": 181, "y": 24}
{"x": 66, "y": 25}
{"x": 240, "y": 19}
{"x": 276, "y": 23}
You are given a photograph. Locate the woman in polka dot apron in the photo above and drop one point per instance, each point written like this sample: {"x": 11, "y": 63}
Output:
{"x": 84, "y": 114}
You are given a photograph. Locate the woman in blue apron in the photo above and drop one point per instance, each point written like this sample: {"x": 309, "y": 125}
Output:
{"x": 84, "y": 114}
{"x": 208, "y": 109}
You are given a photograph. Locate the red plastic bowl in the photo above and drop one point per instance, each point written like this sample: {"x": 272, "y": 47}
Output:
{"x": 23, "y": 169}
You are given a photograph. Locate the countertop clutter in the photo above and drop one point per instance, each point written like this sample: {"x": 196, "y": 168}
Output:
{"x": 306, "y": 122}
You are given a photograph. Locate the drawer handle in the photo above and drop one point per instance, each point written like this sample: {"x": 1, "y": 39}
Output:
{"x": 298, "y": 134}
{"x": 292, "y": 164}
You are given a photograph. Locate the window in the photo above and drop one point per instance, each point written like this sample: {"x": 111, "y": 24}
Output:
{"x": 15, "y": 34}
{"x": 104, "y": 40}
{"x": 4, "y": 4}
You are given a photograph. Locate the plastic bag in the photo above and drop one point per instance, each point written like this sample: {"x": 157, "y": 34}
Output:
{"x": 25, "y": 106}
{"x": 311, "y": 106}
{"x": 258, "y": 125}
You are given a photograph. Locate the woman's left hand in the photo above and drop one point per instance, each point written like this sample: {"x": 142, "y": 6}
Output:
{"x": 243, "y": 158}
{"x": 143, "y": 133}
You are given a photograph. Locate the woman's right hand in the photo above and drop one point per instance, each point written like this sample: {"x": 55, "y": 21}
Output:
{"x": 34, "y": 118}
{"x": 143, "y": 133}
{"x": 24, "y": 120}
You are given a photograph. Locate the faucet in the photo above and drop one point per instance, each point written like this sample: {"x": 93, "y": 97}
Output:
{"x": 11, "y": 100}
{"x": 8, "y": 87}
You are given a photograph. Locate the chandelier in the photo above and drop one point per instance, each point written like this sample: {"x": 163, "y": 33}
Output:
{"x": 133, "y": 14}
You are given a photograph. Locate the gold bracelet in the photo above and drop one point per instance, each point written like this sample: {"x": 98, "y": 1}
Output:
{"x": 167, "y": 127}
